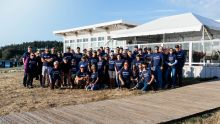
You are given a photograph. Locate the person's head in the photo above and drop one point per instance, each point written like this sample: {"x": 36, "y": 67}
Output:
{"x": 94, "y": 54}
{"x": 101, "y": 48}
{"x": 140, "y": 66}
{"x": 112, "y": 55}
{"x": 139, "y": 51}
{"x": 106, "y": 56}
{"x": 82, "y": 68}
{"x": 149, "y": 50}
{"x": 121, "y": 50}
{"x": 161, "y": 49}
{"x": 37, "y": 53}
{"x": 156, "y": 49}
{"x": 73, "y": 62}
{"x": 177, "y": 48}
{"x": 46, "y": 50}
{"x": 93, "y": 68}
{"x": 129, "y": 53}
{"x": 126, "y": 65}
{"x": 118, "y": 56}
{"x": 52, "y": 50}
{"x": 138, "y": 57}
{"x": 68, "y": 49}
{"x": 171, "y": 50}
{"x": 65, "y": 60}
{"x": 29, "y": 49}
{"x": 59, "y": 54}
{"x": 83, "y": 58}
{"x": 180, "y": 45}
{"x": 56, "y": 64}
{"x": 32, "y": 55}
{"x": 134, "y": 67}
{"x": 107, "y": 50}
{"x": 144, "y": 65}
{"x": 78, "y": 49}
{"x": 135, "y": 48}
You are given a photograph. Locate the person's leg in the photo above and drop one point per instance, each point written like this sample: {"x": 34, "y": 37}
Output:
{"x": 167, "y": 78}
{"x": 160, "y": 78}
{"x": 43, "y": 76}
{"x": 52, "y": 83}
{"x": 145, "y": 87}
{"x": 173, "y": 77}
{"x": 179, "y": 73}
{"x": 95, "y": 87}
{"x": 31, "y": 80}
{"x": 118, "y": 84}
{"x": 156, "y": 79}
{"x": 28, "y": 80}
{"x": 25, "y": 79}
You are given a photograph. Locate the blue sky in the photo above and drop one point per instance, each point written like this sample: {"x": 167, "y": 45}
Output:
{"x": 29, "y": 20}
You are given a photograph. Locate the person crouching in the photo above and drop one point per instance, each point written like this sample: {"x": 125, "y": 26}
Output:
{"x": 81, "y": 77}
{"x": 125, "y": 76}
{"x": 93, "y": 79}
{"x": 55, "y": 74}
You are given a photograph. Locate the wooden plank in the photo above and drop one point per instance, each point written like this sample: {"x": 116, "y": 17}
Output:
{"x": 150, "y": 108}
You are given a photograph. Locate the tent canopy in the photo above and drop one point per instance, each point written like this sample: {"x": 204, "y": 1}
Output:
{"x": 187, "y": 22}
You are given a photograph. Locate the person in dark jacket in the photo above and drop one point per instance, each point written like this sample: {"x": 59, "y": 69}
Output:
{"x": 30, "y": 69}
{"x": 55, "y": 75}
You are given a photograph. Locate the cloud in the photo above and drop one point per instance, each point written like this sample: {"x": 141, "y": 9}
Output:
{"x": 208, "y": 8}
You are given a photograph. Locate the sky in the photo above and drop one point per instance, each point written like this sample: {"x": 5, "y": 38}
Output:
{"x": 30, "y": 20}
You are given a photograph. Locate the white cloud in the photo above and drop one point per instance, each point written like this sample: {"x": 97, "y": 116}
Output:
{"x": 208, "y": 8}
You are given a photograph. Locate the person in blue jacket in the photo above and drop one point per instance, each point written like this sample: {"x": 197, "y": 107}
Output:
{"x": 171, "y": 70}
{"x": 181, "y": 58}
{"x": 157, "y": 67}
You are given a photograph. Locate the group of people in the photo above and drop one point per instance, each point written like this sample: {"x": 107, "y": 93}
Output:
{"x": 103, "y": 68}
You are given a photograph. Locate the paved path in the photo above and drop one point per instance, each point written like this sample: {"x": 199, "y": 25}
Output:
{"x": 150, "y": 108}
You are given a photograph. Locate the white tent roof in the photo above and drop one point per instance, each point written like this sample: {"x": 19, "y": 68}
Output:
{"x": 187, "y": 22}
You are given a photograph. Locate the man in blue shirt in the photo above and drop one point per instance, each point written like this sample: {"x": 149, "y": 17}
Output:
{"x": 68, "y": 55}
{"x": 78, "y": 55}
{"x": 118, "y": 65}
{"x": 46, "y": 58}
{"x": 157, "y": 67}
{"x": 111, "y": 70}
{"x": 181, "y": 58}
{"x": 171, "y": 70}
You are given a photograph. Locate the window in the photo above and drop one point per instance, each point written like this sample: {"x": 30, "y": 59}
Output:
{"x": 79, "y": 40}
{"x": 100, "y": 38}
{"x": 85, "y": 39}
{"x": 72, "y": 41}
{"x": 197, "y": 52}
{"x": 93, "y": 39}
{"x": 66, "y": 41}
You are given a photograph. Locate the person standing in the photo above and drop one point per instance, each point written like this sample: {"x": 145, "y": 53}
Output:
{"x": 181, "y": 58}
{"x": 157, "y": 67}
{"x": 46, "y": 58}
{"x": 118, "y": 65}
{"x": 24, "y": 57}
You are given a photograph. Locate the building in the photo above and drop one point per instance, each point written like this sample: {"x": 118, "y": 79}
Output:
{"x": 94, "y": 36}
{"x": 199, "y": 37}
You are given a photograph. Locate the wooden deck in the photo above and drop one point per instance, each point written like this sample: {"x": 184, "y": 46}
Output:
{"x": 150, "y": 108}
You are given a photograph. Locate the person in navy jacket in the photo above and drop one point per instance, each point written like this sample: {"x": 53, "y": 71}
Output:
{"x": 181, "y": 58}
{"x": 125, "y": 76}
{"x": 171, "y": 70}
{"x": 157, "y": 67}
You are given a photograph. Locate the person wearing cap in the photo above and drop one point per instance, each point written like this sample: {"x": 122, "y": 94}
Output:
{"x": 46, "y": 58}
{"x": 65, "y": 69}
{"x": 24, "y": 57}
{"x": 181, "y": 58}
{"x": 68, "y": 55}
{"x": 78, "y": 55}
{"x": 118, "y": 65}
{"x": 74, "y": 70}
{"x": 111, "y": 70}
{"x": 81, "y": 77}
{"x": 94, "y": 82}
{"x": 55, "y": 75}
{"x": 157, "y": 67}
{"x": 125, "y": 76}
{"x": 171, "y": 61}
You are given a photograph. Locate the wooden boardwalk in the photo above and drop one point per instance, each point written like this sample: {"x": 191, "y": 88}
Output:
{"x": 150, "y": 108}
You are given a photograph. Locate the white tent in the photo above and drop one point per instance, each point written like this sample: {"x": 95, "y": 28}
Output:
{"x": 187, "y": 22}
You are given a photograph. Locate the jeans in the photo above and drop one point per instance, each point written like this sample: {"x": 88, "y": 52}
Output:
{"x": 143, "y": 85}
{"x": 171, "y": 71}
{"x": 25, "y": 79}
{"x": 158, "y": 77}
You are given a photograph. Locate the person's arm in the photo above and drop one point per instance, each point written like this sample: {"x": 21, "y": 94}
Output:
{"x": 96, "y": 80}
{"x": 152, "y": 79}
{"x": 174, "y": 63}
{"x": 120, "y": 78}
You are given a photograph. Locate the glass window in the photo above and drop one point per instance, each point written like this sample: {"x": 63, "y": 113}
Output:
{"x": 66, "y": 41}
{"x": 72, "y": 41}
{"x": 85, "y": 39}
{"x": 212, "y": 52}
{"x": 100, "y": 38}
{"x": 197, "y": 52}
